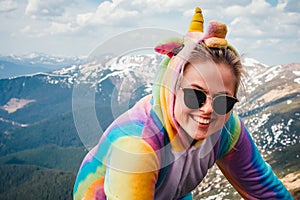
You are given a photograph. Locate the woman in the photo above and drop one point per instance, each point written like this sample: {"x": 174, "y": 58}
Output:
{"x": 163, "y": 146}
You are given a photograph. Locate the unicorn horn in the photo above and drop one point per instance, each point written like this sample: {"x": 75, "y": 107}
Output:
{"x": 196, "y": 24}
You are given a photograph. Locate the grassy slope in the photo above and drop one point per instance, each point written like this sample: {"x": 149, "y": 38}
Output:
{"x": 44, "y": 173}
{"x": 33, "y": 182}
{"x": 51, "y": 156}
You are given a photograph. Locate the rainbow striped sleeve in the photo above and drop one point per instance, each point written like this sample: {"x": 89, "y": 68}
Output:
{"x": 132, "y": 170}
{"x": 245, "y": 168}
{"x": 122, "y": 158}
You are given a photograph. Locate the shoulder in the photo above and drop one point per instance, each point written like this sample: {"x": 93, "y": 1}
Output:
{"x": 132, "y": 154}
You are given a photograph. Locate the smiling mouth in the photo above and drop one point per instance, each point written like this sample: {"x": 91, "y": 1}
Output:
{"x": 201, "y": 120}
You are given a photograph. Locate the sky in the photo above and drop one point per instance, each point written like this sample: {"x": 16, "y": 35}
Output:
{"x": 266, "y": 30}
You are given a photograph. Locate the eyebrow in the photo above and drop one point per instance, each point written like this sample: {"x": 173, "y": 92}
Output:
{"x": 207, "y": 92}
{"x": 200, "y": 88}
{"x": 223, "y": 92}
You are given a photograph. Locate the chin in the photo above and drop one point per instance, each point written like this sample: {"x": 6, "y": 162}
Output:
{"x": 201, "y": 135}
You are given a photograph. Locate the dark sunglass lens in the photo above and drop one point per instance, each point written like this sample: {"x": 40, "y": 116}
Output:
{"x": 194, "y": 99}
{"x": 223, "y": 104}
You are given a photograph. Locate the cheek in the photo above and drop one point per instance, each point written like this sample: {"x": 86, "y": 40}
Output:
{"x": 221, "y": 120}
{"x": 179, "y": 110}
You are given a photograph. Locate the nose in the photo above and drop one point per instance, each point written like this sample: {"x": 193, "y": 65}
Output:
{"x": 207, "y": 107}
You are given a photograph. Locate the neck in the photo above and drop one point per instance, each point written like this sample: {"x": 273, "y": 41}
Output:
{"x": 191, "y": 141}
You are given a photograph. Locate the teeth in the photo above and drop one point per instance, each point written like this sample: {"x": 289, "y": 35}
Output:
{"x": 201, "y": 120}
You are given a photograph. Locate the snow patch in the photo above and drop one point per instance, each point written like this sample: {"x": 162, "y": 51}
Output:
{"x": 13, "y": 122}
{"x": 297, "y": 73}
{"x": 250, "y": 62}
{"x": 15, "y": 104}
{"x": 297, "y": 80}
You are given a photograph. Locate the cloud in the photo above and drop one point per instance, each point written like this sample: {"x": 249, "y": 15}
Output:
{"x": 107, "y": 13}
{"x": 267, "y": 32}
{"x": 58, "y": 28}
{"x": 26, "y": 29}
{"x": 253, "y": 25}
{"x": 30, "y": 32}
{"x": 245, "y": 18}
{"x": 156, "y": 6}
{"x": 45, "y": 9}
{"x": 54, "y": 28}
{"x": 260, "y": 19}
{"x": 8, "y": 5}
{"x": 293, "y": 6}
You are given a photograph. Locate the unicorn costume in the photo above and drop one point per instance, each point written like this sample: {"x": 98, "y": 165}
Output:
{"x": 143, "y": 155}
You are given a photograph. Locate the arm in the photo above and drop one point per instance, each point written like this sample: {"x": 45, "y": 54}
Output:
{"x": 132, "y": 170}
{"x": 247, "y": 171}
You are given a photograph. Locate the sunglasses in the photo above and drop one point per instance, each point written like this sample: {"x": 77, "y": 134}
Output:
{"x": 195, "y": 99}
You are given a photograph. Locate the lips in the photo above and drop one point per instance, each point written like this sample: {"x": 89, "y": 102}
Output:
{"x": 201, "y": 120}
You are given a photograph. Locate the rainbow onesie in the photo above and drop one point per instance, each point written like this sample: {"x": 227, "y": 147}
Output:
{"x": 143, "y": 155}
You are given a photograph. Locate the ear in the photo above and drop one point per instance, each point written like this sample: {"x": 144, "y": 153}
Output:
{"x": 169, "y": 47}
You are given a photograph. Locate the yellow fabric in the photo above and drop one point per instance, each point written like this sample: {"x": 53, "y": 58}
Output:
{"x": 139, "y": 171}
{"x": 166, "y": 104}
{"x": 196, "y": 24}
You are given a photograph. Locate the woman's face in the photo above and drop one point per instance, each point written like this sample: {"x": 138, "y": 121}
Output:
{"x": 212, "y": 78}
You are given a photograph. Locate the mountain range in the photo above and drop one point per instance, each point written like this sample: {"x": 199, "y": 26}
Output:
{"x": 50, "y": 118}
{"x": 14, "y": 65}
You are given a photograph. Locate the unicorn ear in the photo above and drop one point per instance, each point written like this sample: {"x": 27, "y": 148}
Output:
{"x": 170, "y": 47}
{"x": 215, "y": 36}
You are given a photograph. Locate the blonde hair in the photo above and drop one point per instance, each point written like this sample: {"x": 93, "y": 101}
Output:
{"x": 218, "y": 55}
